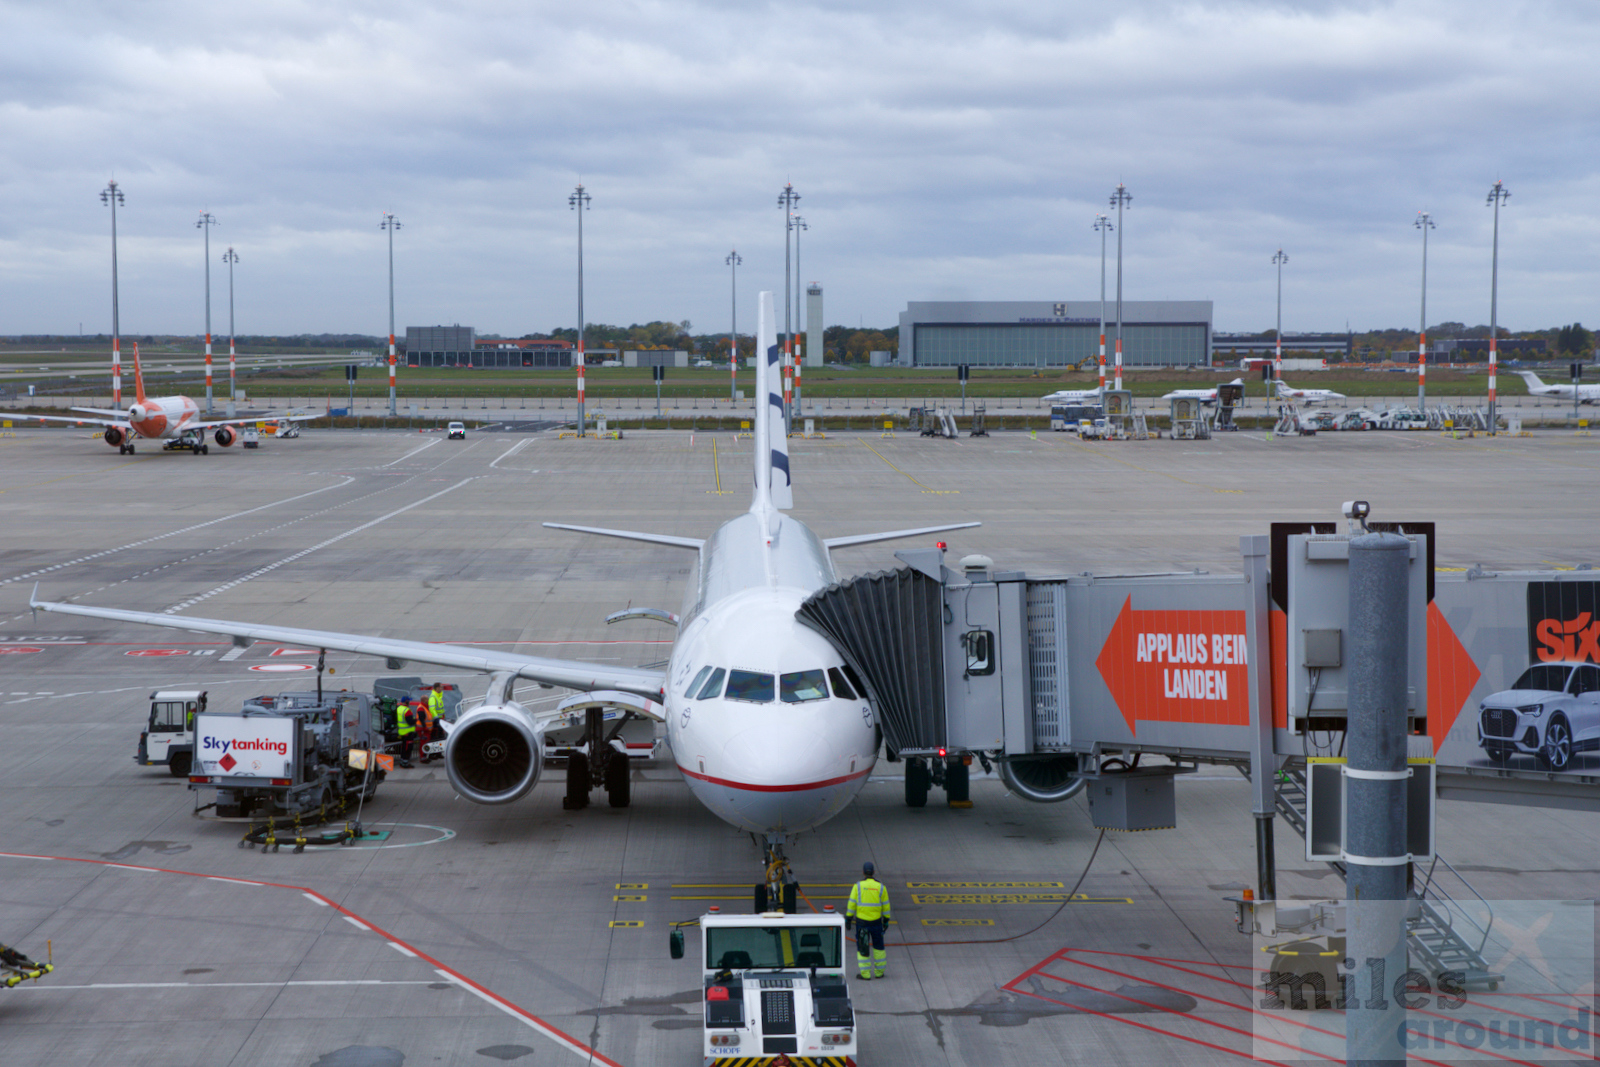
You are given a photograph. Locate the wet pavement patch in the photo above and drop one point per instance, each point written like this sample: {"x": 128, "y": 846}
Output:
{"x": 361, "y": 1056}
{"x": 506, "y": 1052}
{"x": 133, "y": 848}
{"x": 666, "y": 1005}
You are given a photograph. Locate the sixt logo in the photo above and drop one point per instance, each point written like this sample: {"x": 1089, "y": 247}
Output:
{"x": 222, "y": 745}
{"x": 1562, "y": 622}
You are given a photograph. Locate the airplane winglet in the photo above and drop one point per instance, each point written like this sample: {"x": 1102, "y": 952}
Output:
{"x": 33, "y": 601}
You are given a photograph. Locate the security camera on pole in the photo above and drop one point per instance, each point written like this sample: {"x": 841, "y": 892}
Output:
{"x": 1498, "y": 194}
{"x": 206, "y": 221}
{"x": 391, "y": 224}
{"x": 1119, "y": 200}
{"x": 1424, "y": 223}
{"x": 579, "y": 202}
{"x": 111, "y": 195}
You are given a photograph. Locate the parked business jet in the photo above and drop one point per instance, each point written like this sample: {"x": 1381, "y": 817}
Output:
{"x": 770, "y": 728}
{"x": 173, "y": 420}
{"x": 1205, "y": 396}
{"x": 1305, "y": 396}
{"x": 1587, "y": 394}
{"x": 1073, "y": 396}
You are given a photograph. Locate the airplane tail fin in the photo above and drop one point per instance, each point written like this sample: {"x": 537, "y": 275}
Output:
{"x": 138, "y": 376}
{"x": 772, "y": 438}
{"x": 1531, "y": 378}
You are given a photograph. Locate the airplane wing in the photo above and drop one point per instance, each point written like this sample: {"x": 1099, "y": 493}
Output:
{"x": 242, "y": 420}
{"x": 630, "y": 535}
{"x": 890, "y": 535}
{"x": 112, "y": 412}
{"x": 569, "y": 674}
{"x": 122, "y": 422}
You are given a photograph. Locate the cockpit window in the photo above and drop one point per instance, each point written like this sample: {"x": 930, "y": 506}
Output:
{"x": 713, "y": 687}
{"x": 749, "y": 685}
{"x": 799, "y": 686}
{"x": 841, "y": 688}
{"x": 694, "y": 686}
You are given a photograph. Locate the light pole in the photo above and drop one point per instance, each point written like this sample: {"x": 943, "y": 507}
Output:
{"x": 230, "y": 257}
{"x": 798, "y": 348}
{"x": 1119, "y": 200}
{"x": 786, "y": 200}
{"x": 1102, "y": 224}
{"x": 733, "y": 261}
{"x": 204, "y": 224}
{"x": 1498, "y": 194}
{"x": 391, "y": 224}
{"x": 579, "y": 202}
{"x": 1424, "y": 223}
{"x": 112, "y": 195}
{"x": 1278, "y": 259}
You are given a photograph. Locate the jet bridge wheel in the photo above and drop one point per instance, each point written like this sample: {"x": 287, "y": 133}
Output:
{"x": 619, "y": 782}
{"x": 918, "y": 779}
{"x": 577, "y": 797}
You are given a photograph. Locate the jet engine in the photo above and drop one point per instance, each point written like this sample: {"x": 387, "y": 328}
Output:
{"x": 494, "y": 754}
{"x": 1043, "y": 781}
{"x": 115, "y": 437}
{"x": 225, "y": 436}
{"x": 136, "y": 413}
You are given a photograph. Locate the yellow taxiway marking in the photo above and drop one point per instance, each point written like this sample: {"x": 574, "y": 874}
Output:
{"x": 746, "y": 885}
{"x": 746, "y": 896}
{"x": 716, "y": 471}
{"x": 897, "y": 470}
{"x": 630, "y": 898}
{"x": 633, "y": 885}
{"x": 985, "y": 885}
{"x": 1012, "y": 898}
{"x": 627, "y": 924}
{"x": 957, "y": 922}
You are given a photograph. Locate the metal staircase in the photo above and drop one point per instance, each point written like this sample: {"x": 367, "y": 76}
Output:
{"x": 1440, "y": 928}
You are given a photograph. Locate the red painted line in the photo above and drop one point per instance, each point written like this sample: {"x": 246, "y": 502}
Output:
{"x": 749, "y": 788}
{"x": 538, "y": 1023}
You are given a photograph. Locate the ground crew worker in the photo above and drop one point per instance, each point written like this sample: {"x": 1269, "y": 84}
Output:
{"x": 868, "y": 911}
{"x": 405, "y": 724}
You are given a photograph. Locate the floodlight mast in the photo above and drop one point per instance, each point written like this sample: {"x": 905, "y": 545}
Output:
{"x": 391, "y": 224}
{"x": 1102, "y": 224}
{"x": 112, "y": 195}
{"x": 230, "y": 257}
{"x": 1279, "y": 259}
{"x": 579, "y": 202}
{"x": 1424, "y": 223}
{"x": 1498, "y": 194}
{"x": 204, "y": 224}
{"x": 797, "y": 353}
{"x": 733, "y": 261}
{"x": 1120, "y": 199}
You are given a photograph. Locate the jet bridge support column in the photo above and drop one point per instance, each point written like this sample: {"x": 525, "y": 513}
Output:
{"x": 1263, "y": 763}
{"x": 1375, "y": 791}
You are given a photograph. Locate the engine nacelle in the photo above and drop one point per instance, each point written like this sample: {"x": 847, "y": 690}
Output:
{"x": 495, "y": 754}
{"x": 225, "y": 436}
{"x": 1043, "y": 781}
{"x": 115, "y": 437}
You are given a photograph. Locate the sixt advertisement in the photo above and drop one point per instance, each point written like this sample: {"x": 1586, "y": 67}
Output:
{"x": 236, "y": 746}
{"x": 1525, "y": 651}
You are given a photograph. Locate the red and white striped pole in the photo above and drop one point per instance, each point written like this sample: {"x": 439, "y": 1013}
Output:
{"x": 1119, "y": 363}
{"x": 580, "y": 362}
{"x": 116, "y": 373}
{"x": 1102, "y": 361}
{"x": 208, "y": 370}
{"x": 799, "y": 362}
{"x": 1422, "y": 371}
{"x": 233, "y": 371}
{"x": 391, "y": 374}
{"x": 1494, "y": 360}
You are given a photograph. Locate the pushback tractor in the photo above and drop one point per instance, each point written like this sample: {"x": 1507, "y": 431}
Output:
{"x": 776, "y": 990}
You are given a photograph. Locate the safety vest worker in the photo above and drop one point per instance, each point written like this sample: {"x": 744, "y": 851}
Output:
{"x": 868, "y": 910}
{"x": 405, "y": 720}
{"x": 436, "y": 701}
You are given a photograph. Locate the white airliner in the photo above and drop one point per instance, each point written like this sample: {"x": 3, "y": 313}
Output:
{"x": 173, "y": 420}
{"x": 1305, "y": 396}
{"x": 769, "y": 727}
{"x": 1205, "y": 396}
{"x": 1587, "y": 394}
{"x": 1074, "y": 396}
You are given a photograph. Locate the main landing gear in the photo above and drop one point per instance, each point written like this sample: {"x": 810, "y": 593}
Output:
{"x": 781, "y": 890}
{"x": 949, "y": 772}
{"x": 600, "y": 760}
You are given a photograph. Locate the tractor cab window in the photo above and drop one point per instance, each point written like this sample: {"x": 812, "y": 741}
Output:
{"x": 799, "y": 686}
{"x": 168, "y": 716}
{"x": 773, "y": 946}
{"x": 752, "y": 686}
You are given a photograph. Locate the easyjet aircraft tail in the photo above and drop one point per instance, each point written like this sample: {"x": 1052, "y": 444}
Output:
{"x": 138, "y": 376}
{"x": 772, "y": 475}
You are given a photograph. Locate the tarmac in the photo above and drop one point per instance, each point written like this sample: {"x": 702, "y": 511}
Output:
{"x": 530, "y": 934}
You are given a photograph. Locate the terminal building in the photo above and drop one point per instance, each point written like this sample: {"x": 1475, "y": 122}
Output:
{"x": 1042, "y": 333}
{"x": 459, "y": 346}
{"x": 1229, "y": 346}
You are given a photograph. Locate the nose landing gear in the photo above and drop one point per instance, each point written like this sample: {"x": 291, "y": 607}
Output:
{"x": 600, "y": 760}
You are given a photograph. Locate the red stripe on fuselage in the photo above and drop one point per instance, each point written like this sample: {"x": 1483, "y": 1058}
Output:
{"x": 750, "y": 788}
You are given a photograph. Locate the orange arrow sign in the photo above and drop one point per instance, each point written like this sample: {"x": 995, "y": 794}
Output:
{"x": 1451, "y": 676}
{"x": 1177, "y": 666}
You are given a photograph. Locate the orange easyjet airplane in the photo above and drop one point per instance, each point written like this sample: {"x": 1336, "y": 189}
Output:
{"x": 173, "y": 420}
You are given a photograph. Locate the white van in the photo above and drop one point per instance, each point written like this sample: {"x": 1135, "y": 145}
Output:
{"x": 457, "y": 430}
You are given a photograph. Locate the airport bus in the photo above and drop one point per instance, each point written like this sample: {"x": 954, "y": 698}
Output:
{"x": 1067, "y": 416}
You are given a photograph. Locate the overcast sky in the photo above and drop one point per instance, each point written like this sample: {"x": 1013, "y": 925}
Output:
{"x": 942, "y": 150}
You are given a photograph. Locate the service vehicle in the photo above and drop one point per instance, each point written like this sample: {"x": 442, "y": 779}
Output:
{"x": 1094, "y": 429}
{"x": 1402, "y": 419}
{"x": 1359, "y": 419}
{"x": 412, "y": 689}
{"x": 168, "y": 736}
{"x": 250, "y": 437}
{"x": 1552, "y": 712}
{"x": 775, "y": 984}
{"x": 1065, "y": 417}
{"x": 286, "y": 430}
{"x": 456, "y": 431}
{"x": 287, "y": 754}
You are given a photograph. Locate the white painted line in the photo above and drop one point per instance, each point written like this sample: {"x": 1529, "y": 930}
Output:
{"x": 357, "y": 923}
{"x": 510, "y": 451}
{"x": 571, "y": 1046}
{"x": 125, "y": 867}
{"x": 413, "y": 452}
{"x": 231, "y": 655}
{"x": 235, "y": 881}
{"x": 398, "y": 947}
{"x": 315, "y": 900}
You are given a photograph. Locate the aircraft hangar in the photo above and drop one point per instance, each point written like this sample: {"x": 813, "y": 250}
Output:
{"x": 1044, "y": 333}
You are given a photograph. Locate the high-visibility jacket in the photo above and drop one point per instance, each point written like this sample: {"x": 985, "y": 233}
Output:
{"x": 869, "y": 901}
{"x": 436, "y": 703}
{"x": 404, "y": 720}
